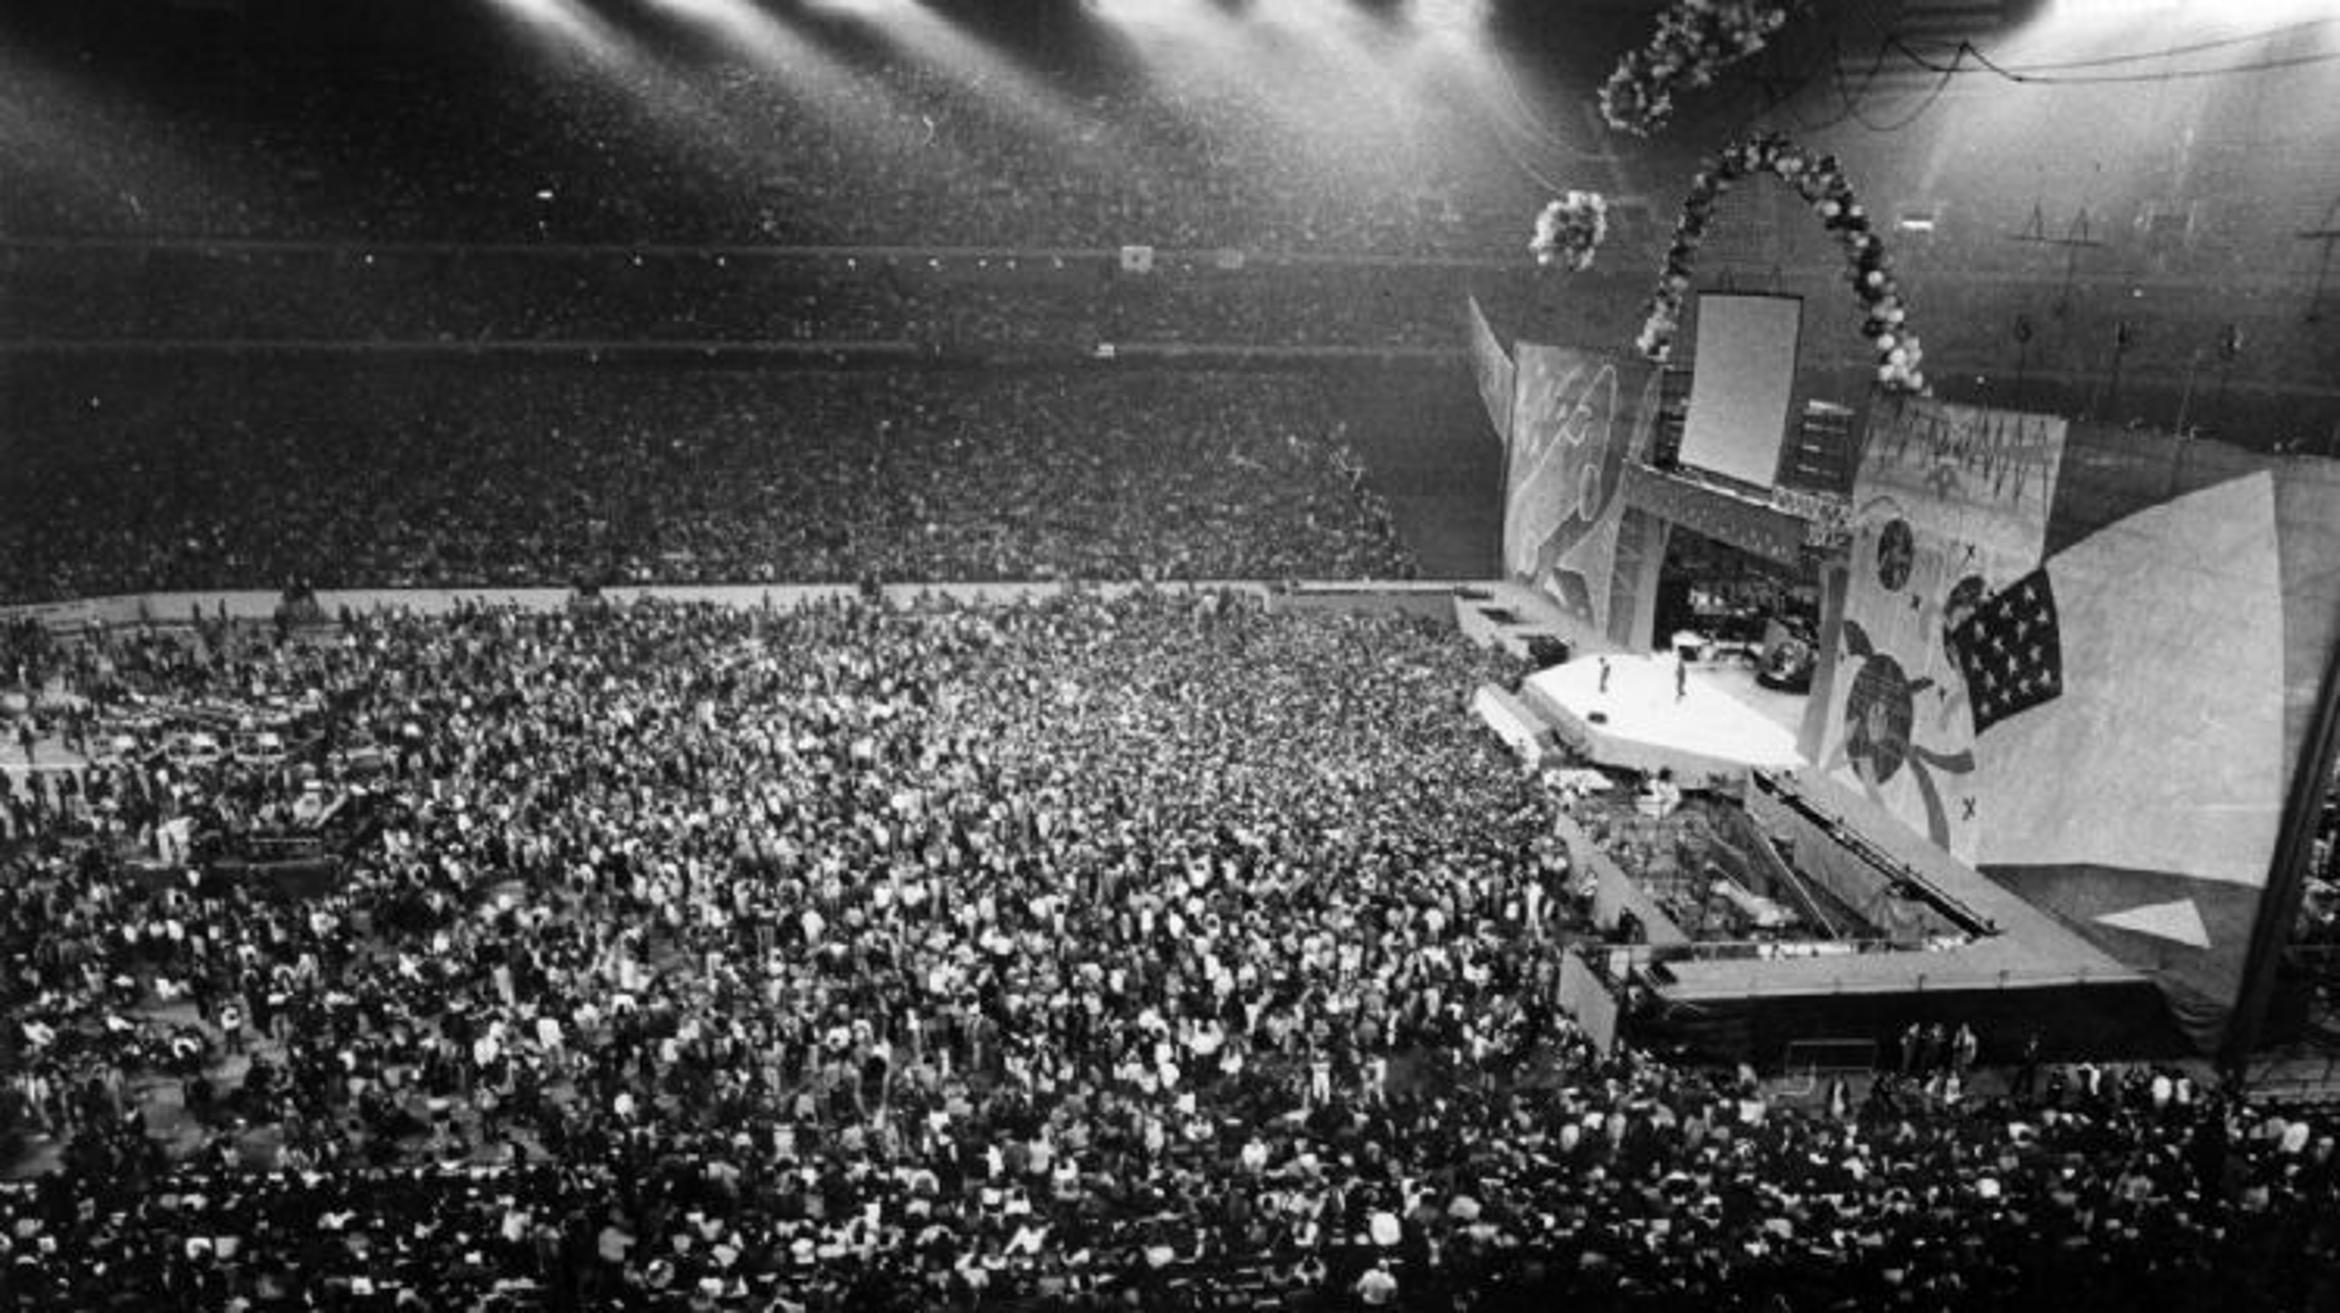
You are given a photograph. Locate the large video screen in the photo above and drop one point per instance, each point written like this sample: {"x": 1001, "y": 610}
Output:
{"x": 1742, "y": 385}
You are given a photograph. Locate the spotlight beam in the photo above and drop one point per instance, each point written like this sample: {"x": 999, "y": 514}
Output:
{"x": 571, "y": 25}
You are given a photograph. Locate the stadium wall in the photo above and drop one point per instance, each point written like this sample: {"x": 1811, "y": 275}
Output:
{"x": 255, "y": 606}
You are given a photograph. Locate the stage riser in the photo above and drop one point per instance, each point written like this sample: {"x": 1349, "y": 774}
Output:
{"x": 2126, "y": 1021}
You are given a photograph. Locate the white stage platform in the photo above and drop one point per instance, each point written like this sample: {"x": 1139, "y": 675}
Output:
{"x": 1711, "y": 731}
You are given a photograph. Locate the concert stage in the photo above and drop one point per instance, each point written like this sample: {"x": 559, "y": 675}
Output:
{"x": 2099, "y": 665}
{"x": 1938, "y": 940}
{"x": 2008, "y": 969}
{"x": 1648, "y": 712}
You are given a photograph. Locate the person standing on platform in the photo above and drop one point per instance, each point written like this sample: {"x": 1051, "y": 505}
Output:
{"x": 1604, "y": 675}
{"x": 1964, "y": 1049}
{"x": 2027, "y": 1070}
{"x": 1681, "y": 679}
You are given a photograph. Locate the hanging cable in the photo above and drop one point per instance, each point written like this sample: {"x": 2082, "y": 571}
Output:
{"x": 2191, "y": 49}
{"x": 1529, "y": 119}
{"x": 2171, "y": 75}
{"x": 1520, "y": 162}
{"x": 1984, "y": 63}
{"x": 1783, "y": 102}
{"x": 1932, "y": 96}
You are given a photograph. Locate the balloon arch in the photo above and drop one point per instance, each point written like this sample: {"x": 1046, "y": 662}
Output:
{"x": 1821, "y": 182}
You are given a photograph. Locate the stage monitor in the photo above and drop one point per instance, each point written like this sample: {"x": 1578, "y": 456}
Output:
{"x": 1741, "y": 385}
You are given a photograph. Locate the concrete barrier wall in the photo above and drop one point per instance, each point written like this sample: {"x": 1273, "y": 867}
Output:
{"x": 260, "y": 605}
{"x": 1428, "y": 606}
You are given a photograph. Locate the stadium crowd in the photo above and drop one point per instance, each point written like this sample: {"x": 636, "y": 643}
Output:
{"x": 2226, "y": 357}
{"x": 375, "y": 474}
{"x": 905, "y": 154}
{"x": 1148, "y": 949}
{"x": 1083, "y": 952}
{"x": 938, "y": 302}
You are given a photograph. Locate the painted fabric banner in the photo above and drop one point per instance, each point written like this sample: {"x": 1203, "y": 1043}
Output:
{"x": 2213, "y": 567}
{"x": 1576, "y": 422}
{"x": 1491, "y": 366}
{"x": 1951, "y": 505}
{"x": 2139, "y": 792}
{"x": 1963, "y": 474}
{"x": 2089, "y": 662}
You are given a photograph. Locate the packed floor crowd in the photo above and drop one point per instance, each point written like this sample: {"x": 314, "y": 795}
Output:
{"x": 987, "y": 922}
{"x": 1084, "y": 952}
{"x": 1153, "y": 951}
{"x": 381, "y": 473}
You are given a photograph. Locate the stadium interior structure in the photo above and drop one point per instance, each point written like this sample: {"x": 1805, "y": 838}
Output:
{"x": 1169, "y": 654}
{"x": 1942, "y": 620}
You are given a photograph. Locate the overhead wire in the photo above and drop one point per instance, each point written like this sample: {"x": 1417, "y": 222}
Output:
{"x": 1513, "y": 152}
{"x": 1780, "y": 93}
{"x": 2166, "y": 75}
{"x": 1513, "y": 112}
{"x": 1528, "y": 116}
{"x": 1932, "y": 96}
{"x": 2017, "y": 73}
{"x": 2192, "y": 48}
{"x": 1965, "y": 58}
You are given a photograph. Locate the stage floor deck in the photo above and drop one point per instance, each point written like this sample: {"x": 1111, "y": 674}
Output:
{"x": 1640, "y": 717}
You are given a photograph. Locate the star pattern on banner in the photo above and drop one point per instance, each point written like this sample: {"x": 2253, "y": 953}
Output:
{"x": 2011, "y": 651}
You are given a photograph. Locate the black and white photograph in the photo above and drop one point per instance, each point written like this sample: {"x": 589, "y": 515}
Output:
{"x": 1169, "y": 656}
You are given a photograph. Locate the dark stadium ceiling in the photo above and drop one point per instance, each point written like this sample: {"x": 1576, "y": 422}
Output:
{"x": 168, "y": 22}
{"x": 1924, "y": 83}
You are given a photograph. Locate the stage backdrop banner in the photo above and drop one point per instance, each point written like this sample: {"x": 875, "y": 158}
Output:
{"x": 2089, "y": 662}
{"x": 1491, "y": 366}
{"x": 1951, "y": 503}
{"x": 1577, "y": 420}
{"x": 2129, "y": 755}
{"x": 2197, "y": 580}
{"x": 1962, "y": 474}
